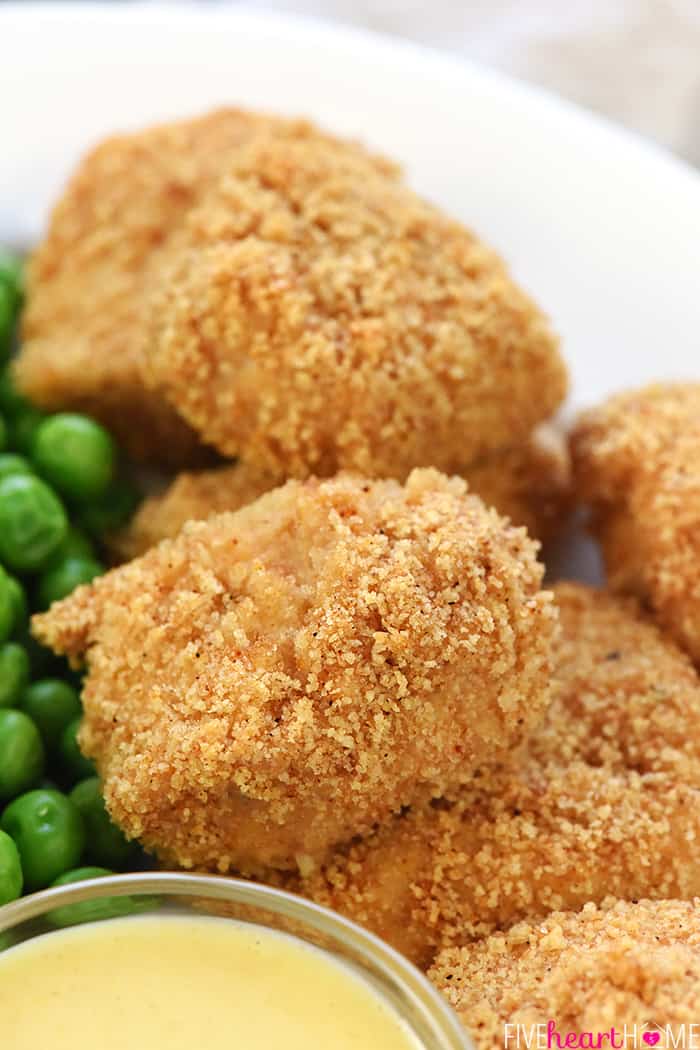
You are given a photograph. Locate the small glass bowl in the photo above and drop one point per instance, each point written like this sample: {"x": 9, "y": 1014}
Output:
{"x": 428, "y": 1017}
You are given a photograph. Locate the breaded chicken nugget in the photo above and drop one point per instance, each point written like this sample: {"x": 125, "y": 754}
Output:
{"x": 603, "y": 800}
{"x": 530, "y": 485}
{"x": 637, "y": 460}
{"x": 277, "y": 680}
{"x": 316, "y": 315}
{"x": 83, "y": 329}
{"x": 192, "y": 496}
{"x": 634, "y": 964}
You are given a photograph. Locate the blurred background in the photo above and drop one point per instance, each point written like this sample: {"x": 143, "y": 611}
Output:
{"x": 635, "y": 61}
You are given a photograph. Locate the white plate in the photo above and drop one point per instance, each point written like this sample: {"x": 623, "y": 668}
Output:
{"x": 603, "y": 228}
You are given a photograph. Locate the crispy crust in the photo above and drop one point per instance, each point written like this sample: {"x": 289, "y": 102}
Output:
{"x": 637, "y": 460}
{"x": 278, "y": 680}
{"x": 530, "y": 485}
{"x": 316, "y": 315}
{"x": 621, "y": 964}
{"x": 192, "y": 496}
{"x": 603, "y": 800}
{"x": 84, "y": 328}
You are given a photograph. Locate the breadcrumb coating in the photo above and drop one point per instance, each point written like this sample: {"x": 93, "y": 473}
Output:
{"x": 530, "y": 485}
{"x": 637, "y": 460}
{"x": 314, "y": 314}
{"x": 602, "y": 800}
{"x": 191, "y": 496}
{"x": 278, "y": 680}
{"x": 620, "y": 964}
{"x": 84, "y": 326}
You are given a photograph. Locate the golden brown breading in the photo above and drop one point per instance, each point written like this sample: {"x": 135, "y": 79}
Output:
{"x": 604, "y": 800}
{"x": 192, "y": 496}
{"x": 637, "y": 460}
{"x": 83, "y": 329}
{"x": 530, "y": 485}
{"x": 631, "y": 964}
{"x": 277, "y": 680}
{"x": 317, "y": 315}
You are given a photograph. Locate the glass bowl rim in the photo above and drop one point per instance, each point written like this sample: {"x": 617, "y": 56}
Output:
{"x": 366, "y": 945}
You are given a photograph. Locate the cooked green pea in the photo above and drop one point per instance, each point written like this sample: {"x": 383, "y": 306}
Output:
{"x": 111, "y": 510}
{"x": 20, "y": 607}
{"x": 11, "y": 463}
{"x": 88, "y": 871}
{"x": 48, "y": 832}
{"x": 21, "y": 753}
{"x": 52, "y": 704}
{"x": 62, "y": 579}
{"x": 7, "y": 606}
{"x": 7, "y": 320}
{"x": 44, "y": 663}
{"x": 23, "y": 427}
{"x": 14, "y": 673}
{"x": 10, "y": 871}
{"x": 32, "y": 522}
{"x": 75, "y": 454}
{"x": 75, "y": 544}
{"x": 74, "y": 762}
{"x": 95, "y": 910}
{"x": 12, "y": 274}
{"x": 12, "y": 403}
{"x": 106, "y": 843}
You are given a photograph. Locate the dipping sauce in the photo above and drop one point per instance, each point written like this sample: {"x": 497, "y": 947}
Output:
{"x": 187, "y": 983}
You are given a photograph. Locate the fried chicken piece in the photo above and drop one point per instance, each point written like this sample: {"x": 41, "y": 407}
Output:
{"x": 530, "y": 485}
{"x": 83, "y": 328}
{"x": 316, "y": 315}
{"x": 603, "y": 800}
{"x": 192, "y": 496}
{"x": 637, "y": 460}
{"x": 277, "y": 680}
{"x": 601, "y": 968}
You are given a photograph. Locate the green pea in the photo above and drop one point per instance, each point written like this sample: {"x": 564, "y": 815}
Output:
{"x": 7, "y": 320}
{"x": 21, "y": 753}
{"x": 75, "y": 454}
{"x": 32, "y": 522}
{"x": 11, "y": 463}
{"x": 63, "y": 578}
{"x": 74, "y": 762}
{"x": 88, "y": 871}
{"x": 52, "y": 704}
{"x": 43, "y": 662}
{"x": 12, "y": 274}
{"x": 11, "y": 879}
{"x": 75, "y": 544}
{"x": 112, "y": 510}
{"x": 20, "y": 606}
{"x": 96, "y": 909}
{"x": 106, "y": 844}
{"x": 12, "y": 402}
{"x": 23, "y": 428}
{"x": 48, "y": 832}
{"x": 7, "y": 606}
{"x": 14, "y": 673}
